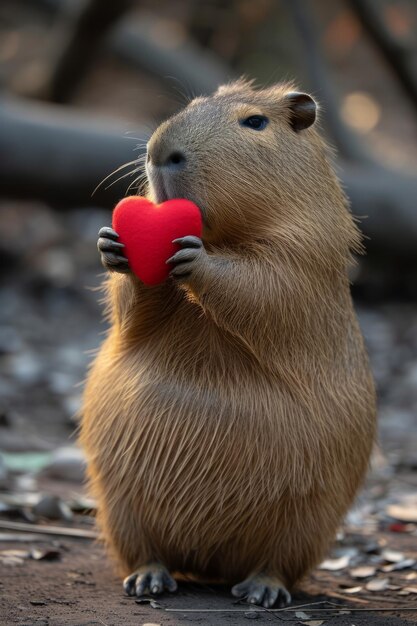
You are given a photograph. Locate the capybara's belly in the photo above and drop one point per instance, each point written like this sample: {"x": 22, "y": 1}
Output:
{"x": 205, "y": 476}
{"x": 212, "y": 466}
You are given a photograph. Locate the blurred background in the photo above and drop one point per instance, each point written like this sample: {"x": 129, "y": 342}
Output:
{"x": 82, "y": 86}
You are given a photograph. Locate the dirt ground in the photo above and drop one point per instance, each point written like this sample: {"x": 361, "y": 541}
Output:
{"x": 62, "y": 581}
{"x": 82, "y": 588}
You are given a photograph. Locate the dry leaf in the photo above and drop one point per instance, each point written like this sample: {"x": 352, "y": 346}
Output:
{"x": 378, "y": 584}
{"x": 411, "y": 576}
{"x": 13, "y": 557}
{"x": 364, "y": 571}
{"x": 352, "y": 590}
{"x": 392, "y": 556}
{"x": 155, "y": 605}
{"x": 400, "y": 527}
{"x": 403, "y": 592}
{"x": 302, "y": 615}
{"x": 314, "y": 622}
{"x": 51, "y": 554}
{"x": 411, "y": 589}
{"x": 38, "y": 602}
{"x": 333, "y": 565}
{"x": 402, "y": 512}
{"x": 398, "y": 566}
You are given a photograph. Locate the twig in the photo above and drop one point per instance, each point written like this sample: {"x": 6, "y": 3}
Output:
{"x": 22, "y": 537}
{"x": 343, "y": 597}
{"x": 49, "y": 530}
{"x": 373, "y": 599}
{"x": 292, "y": 609}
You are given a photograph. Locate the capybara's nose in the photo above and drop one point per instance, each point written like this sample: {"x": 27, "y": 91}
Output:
{"x": 172, "y": 159}
{"x": 175, "y": 159}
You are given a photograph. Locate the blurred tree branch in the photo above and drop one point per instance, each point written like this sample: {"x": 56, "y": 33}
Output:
{"x": 84, "y": 35}
{"x": 197, "y": 69}
{"x": 59, "y": 156}
{"x": 131, "y": 39}
{"x": 397, "y": 55}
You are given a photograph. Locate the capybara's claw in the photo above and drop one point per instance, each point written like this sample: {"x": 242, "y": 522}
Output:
{"x": 115, "y": 262}
{"x": 108, "y": 233}
{"x": 184, "y": 261}
{"x": 104, "y": 245}
{"x": 110, "y": 251}
{"x": 153, "y": 578}
{"x": 264, "y": 590}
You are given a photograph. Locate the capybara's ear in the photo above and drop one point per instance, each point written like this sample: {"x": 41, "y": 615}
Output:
{"x": 302, "y": 110}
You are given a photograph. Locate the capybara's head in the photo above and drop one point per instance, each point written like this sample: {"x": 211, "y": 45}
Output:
{"x": 252, "y": 160}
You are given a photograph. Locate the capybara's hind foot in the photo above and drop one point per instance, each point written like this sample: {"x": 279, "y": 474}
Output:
{"x": 152, "y": 577}
{"x": 263, "y": 589}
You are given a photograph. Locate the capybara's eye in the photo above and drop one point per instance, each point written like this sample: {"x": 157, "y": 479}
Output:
{"x": 255, "y": 122}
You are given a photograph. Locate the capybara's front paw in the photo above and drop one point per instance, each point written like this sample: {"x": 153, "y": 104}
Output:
{"x": 186, "y": 260}
{"x": 264, "y": 590}
{"x": 111, "y": 251}
{"x": 152, "y": 577}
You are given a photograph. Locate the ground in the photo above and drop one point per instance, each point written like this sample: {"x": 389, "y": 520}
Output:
{"x": 81, "y": 588}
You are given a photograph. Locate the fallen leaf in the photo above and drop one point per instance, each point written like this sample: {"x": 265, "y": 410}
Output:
{"x": 155, "y": 605}
{"x": 400, "y": 527}
{"x": 147, "y": 600}
{"x": 333, "y": 565}
{"x": 378, "y": 584}
{"x": 351, "y": 590}
{"x": 38, "y": 602}
{"x": 302, "y": 615}
{"x": 402, "y": 512}
{"x": 411, "y": 576}
{"x": 394, "y": 567}
{"x": 403, "y": 592}
{"x": 392, "y": 556}
{"x": 52, "y": 507}
{"x": 13, "y": 557}
{"x": 83, "y": 505}
{"x": 411, "y": 589}
{"x": 143, "y": 600}
{"x": 364, "y": 571}
{"x": 50, "y": 554}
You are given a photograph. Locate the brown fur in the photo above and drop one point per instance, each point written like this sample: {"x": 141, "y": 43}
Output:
{"x": 228, "y": 421}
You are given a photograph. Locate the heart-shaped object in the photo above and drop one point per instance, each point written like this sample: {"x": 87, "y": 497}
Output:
{"x": 147, "y": 231}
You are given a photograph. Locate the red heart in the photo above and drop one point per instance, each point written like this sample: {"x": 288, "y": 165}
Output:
{"x": 147, "y": 231}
